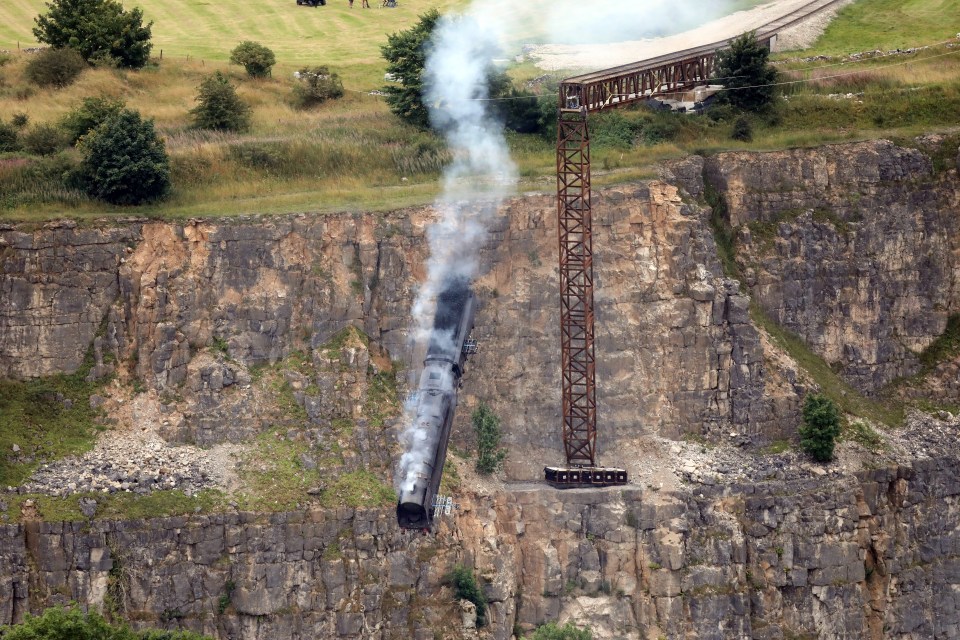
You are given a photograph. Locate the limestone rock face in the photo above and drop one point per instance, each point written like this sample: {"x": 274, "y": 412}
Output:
{"x": 851, "y": 247}
{"x": 676, "y": 349}
{"x": 56, "y": 286}
{"x": 869, "y": 555}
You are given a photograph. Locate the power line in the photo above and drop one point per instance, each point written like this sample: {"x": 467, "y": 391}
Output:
{"x": 758, "y": 86}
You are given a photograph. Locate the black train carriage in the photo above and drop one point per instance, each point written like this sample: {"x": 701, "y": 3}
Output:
{"x": 437, "y": 399}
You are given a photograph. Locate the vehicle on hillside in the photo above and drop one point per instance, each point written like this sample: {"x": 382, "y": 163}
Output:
{"x": 312, "y": 3}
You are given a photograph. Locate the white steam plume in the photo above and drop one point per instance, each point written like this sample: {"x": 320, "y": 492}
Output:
{"x": 482, "y": 173}
{"x": 475, "y": 183}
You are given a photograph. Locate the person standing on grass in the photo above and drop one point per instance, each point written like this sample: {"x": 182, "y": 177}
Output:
{"x": 351, "y": 3}
{"x": 365, "y": 5}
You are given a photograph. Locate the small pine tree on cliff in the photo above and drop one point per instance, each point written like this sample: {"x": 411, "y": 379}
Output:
{"x": 821, "y": 426}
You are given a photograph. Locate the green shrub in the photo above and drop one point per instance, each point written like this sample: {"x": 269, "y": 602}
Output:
{"x": 553, "y": 631}
{"x": 614, "y": 129}
{"x": 255, "y": 58}
{"x": 125, "y": 161}
{"x": 220, "y": 107}
{"x": 73, "y": 624}
{"x": 487, "y": 427}
{"x": 44, "y": 140}
{"x": 88, "y": 115}
{"x": 742, "y": 129}
{"x": 316, "y": 85}
{"x": 8, "y": 137}
{"x": 821, "y": 426}
{"x": 744, "y": 70}
{"x": 99, "y": 30}
{"x": 466, "y": 588}
{"x": 55, "y": 67}
{"x": 43, "y": 180}
{"x": 20, "y": 120}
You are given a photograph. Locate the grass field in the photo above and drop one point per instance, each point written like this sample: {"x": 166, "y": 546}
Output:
{"x": 890, "y": 24}
{"x": 346, "y": 38}
{"x": 352, "y": 154}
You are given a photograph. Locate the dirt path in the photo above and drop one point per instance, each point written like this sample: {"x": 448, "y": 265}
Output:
{"x": 554, "y": 57}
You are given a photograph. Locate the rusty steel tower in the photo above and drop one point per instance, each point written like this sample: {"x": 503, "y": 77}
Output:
{"x": 578, "y": 360}
{"x": 666, "y": 75}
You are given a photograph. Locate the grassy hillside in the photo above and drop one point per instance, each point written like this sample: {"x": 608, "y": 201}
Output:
{"x": 352, "y": 154}
{"x": 334, "y": 34}
{"x": 890, "y": 24}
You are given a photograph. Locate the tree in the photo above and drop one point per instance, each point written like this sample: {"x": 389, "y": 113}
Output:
{"x": 255, "y": 58}
{"x": 89, "y": 114}
{"x": 406, "y": 54}
{"x": 96, "y": 29}
{"x": 744, "y": 71}
{"x": 487, "y": 427}
{"x": 553, "y": 631}
{"x": 821, "y": 426}
{"x": 220, "y": 107}
{"x": 125, "y": 162}
{"x": 73, "y": 624}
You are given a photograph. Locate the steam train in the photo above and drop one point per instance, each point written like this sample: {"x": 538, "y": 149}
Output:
{"x": 437, "y": 400}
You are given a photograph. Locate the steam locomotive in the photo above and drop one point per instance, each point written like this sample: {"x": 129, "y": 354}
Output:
{"x": 437, "y": 400}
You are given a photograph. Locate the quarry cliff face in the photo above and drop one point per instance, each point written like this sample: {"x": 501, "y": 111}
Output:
{"x": 676, "y": 348}
{"x": 851, "y": 247}
{"x": 869, "y": 555}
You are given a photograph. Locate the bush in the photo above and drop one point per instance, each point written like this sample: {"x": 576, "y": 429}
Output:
{"x": 45, "y": 140}
{"x": 465, "y": 588}
{"x": 487, "y": 427}
{"x": 316, "y": 85}
{"x": 8, "y": 137}
{"x": 55, "y": 67}
{"x": 821, "y": 426}
{"x": 89, "y": 115}
{"x": 98, "y": 29}
{"x": 73, "y": 624}
{"x": 125, "y": 161}
{"x": 745, "y": 72}
{"x": 552, "y": 631}
{"x": 255, "y": 58}
{"x": 20, "y": 120}
{"x": 220, "y": 107}
{"x": 742, "y": 130}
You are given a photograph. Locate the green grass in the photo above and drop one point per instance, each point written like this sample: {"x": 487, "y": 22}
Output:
{"x": 119, "y": 506}
{"x": 850, "y": 401}
{"x": 358, "y": 489}
{"x": 34, "y": 415}
{"x": 334, "y": 34}
{"x": 273, "y": 476}
{"x": 889, "y": 24}
{"x": 945, "y": 347}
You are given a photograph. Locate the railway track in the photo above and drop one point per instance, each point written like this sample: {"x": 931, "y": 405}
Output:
{"x": 765, "y": 33}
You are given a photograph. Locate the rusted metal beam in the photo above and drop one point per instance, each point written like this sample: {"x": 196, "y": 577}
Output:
{"x": 578, "y": 363}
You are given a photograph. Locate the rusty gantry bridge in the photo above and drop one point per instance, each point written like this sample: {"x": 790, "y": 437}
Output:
{"x": 580, "y": 95}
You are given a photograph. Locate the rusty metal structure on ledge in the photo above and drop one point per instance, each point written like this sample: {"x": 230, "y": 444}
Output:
{"x": 579, "y": 95}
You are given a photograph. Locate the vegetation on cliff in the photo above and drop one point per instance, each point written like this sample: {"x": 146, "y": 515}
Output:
{"x": 58, "y": 623}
